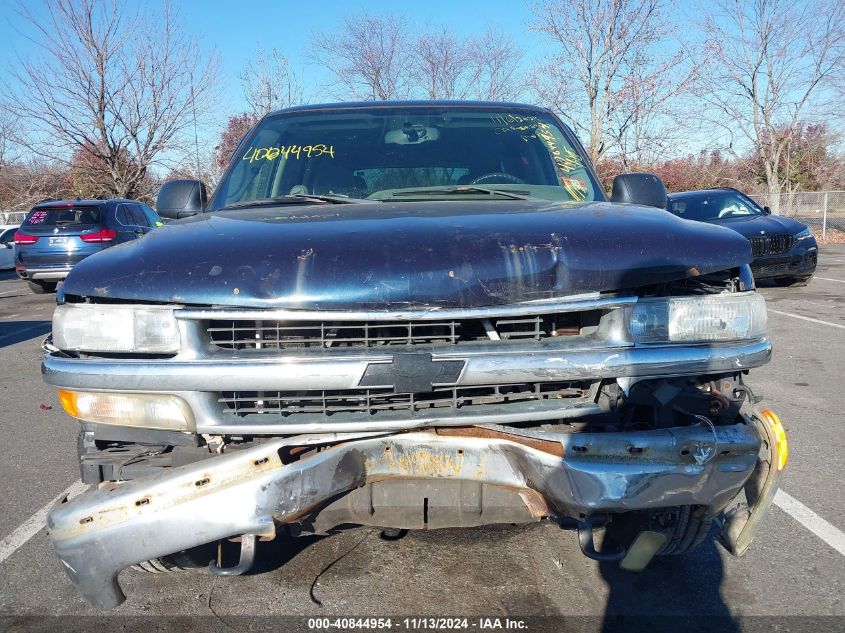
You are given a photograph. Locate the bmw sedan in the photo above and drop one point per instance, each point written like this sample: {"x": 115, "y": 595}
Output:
{"x": 784, "y": 249}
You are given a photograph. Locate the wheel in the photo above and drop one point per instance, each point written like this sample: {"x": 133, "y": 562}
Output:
{"x": 180, "y": 561}
{"x": 495, "y": 177}
{"x": 792, "y": 282}
{"x": 685, "y": 528}
{"x": 42, "y": 287}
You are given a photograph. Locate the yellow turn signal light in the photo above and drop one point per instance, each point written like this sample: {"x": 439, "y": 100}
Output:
{"x": 772, "y": 419}
{"x": 139, "y": 410}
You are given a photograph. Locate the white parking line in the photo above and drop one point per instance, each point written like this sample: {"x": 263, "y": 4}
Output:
{"x": 839, "y": 281}
{"x": 33, "y": 524}
{"x": 803, "y": 318}
{"x": 825, "y": 531}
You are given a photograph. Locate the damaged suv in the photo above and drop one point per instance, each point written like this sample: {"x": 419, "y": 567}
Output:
{"x": 411, "y": 316}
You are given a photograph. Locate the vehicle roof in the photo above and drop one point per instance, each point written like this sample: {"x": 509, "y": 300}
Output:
{"x": 80, "y": 202}
{"x": 692, "y": 194}
{"x": 411, "y": 103}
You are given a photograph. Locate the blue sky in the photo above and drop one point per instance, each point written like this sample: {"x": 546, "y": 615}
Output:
{"x": 234, "y": 29}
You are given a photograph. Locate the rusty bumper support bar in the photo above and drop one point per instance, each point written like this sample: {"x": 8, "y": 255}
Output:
{"x": 247, "y": 492}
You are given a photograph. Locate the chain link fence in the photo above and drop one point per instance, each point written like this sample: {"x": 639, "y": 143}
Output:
{"x": 12, "y": 217}
{"x": 822, "y": 211}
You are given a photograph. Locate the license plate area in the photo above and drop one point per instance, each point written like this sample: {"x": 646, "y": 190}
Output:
{"x": 58, "y": 241}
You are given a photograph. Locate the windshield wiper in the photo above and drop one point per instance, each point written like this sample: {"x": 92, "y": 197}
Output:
{"x": 297, "y": 198}
{"x": 462, "y": 189}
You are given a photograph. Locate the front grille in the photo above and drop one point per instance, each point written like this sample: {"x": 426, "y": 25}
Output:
{"x": 772, "y": 269}
{"x": 373, "y": 401}
{"x": 280, "y": 335}
{"x": 771, "y": 244}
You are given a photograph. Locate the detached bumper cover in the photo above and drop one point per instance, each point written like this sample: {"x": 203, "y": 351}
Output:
{"x": 247, "y": 492}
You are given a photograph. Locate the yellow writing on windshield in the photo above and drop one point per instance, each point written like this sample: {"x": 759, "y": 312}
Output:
{"x": 296, "y": 151}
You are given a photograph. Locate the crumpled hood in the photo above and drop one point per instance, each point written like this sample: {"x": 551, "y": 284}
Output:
{"x": 391, "y": 255}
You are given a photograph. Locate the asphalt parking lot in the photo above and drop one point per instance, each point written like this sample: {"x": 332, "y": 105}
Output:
{"x": 796, "y": 566}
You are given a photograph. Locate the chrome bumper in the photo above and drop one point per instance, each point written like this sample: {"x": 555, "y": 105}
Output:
{"x": 196, "y": 380}
{"x": 249, "y": 492}
{"x": 56, "y": 274}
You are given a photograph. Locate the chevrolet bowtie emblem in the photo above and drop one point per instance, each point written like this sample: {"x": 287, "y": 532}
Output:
{"x": 412, "y": 373}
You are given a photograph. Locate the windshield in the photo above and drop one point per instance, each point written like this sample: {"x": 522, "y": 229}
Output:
{"x": 63, "y": 216}
{"x": 714, "y": 206}
{"x": 407, "y": 153}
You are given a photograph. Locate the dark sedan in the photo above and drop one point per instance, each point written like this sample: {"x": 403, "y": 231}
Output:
{"x": 784, "y": 249}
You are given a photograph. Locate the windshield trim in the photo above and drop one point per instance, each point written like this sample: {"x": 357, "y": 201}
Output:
{"x": 599, "y": 193}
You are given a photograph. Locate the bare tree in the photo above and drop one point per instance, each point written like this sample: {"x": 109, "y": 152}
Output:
{"x": 269, "y": 82}
{"x": 441, "y": 65}
{"x": 368, "y": 56}
{"x": 495, "y": 60}
{"x": 127, "y": 88}
{"x": 771, "y": 63}
{"x": 609, "y": 61}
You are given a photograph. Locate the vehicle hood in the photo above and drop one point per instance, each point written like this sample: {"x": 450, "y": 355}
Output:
{"x": 390, "y": 255}
{"x": 761, "y": 225}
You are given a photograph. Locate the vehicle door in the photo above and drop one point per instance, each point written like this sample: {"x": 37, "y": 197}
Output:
{"x": 7, "y": 250}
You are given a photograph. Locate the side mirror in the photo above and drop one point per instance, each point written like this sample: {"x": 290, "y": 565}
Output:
{"x": 181, "y": 198}
{"x": 643, "y": 189}
{"x": 767, "y": 211}
{"x": 8, "y": 245}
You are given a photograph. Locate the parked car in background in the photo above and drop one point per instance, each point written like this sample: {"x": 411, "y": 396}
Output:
{"x": 57, "y": 235}
{"x": 784, "y": 249}
{"x": 7, "y": 246}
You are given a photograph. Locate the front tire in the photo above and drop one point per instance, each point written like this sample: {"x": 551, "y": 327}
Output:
{"x": 180, "y": 561}
{"x": 42, "y": 287}
{"x": 685, "y": 527}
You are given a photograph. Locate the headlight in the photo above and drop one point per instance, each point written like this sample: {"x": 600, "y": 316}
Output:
{"x": 804, "y": 235}
{"x": 146, "y": 410}
{"x": 704, "y": 319}
{"x": 85, "y": 327}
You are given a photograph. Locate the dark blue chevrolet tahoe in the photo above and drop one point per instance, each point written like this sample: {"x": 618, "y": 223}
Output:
{"x": 412, "y": 315}
{"x": 57, "y": 235}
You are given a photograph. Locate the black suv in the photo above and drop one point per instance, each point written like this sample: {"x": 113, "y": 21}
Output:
{"x": 57, "y": 235}
{"x": 784, "y": 249}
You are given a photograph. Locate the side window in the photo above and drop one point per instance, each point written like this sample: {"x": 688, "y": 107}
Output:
{"x": 140, "y": 219}
{"x": 7, "y": 236}
{"x": 152, "y": 216}
{"x": 122, "y": 215}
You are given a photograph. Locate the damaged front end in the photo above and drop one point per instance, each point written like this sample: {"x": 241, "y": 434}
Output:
{"x": 603, "y": 409}
{"x": 436, "y": 478}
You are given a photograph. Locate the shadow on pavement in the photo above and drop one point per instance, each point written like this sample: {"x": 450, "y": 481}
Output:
{"x": 674, "y": 593}
{"x": 12, "y": 332}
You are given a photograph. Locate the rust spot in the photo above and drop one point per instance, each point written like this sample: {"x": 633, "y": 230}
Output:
{"x": 693, "y": 272}
{"x": 425, "y": 462}
{"x": 263, "y": 460}
{"x": 86, "y": 520}
{"x": 142, "y": 502}
{"x": 546, "y": 446}
{"x": 202, "y": 482}
{"x": 305, "y": 254}
{"x": 536, "y": 504}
